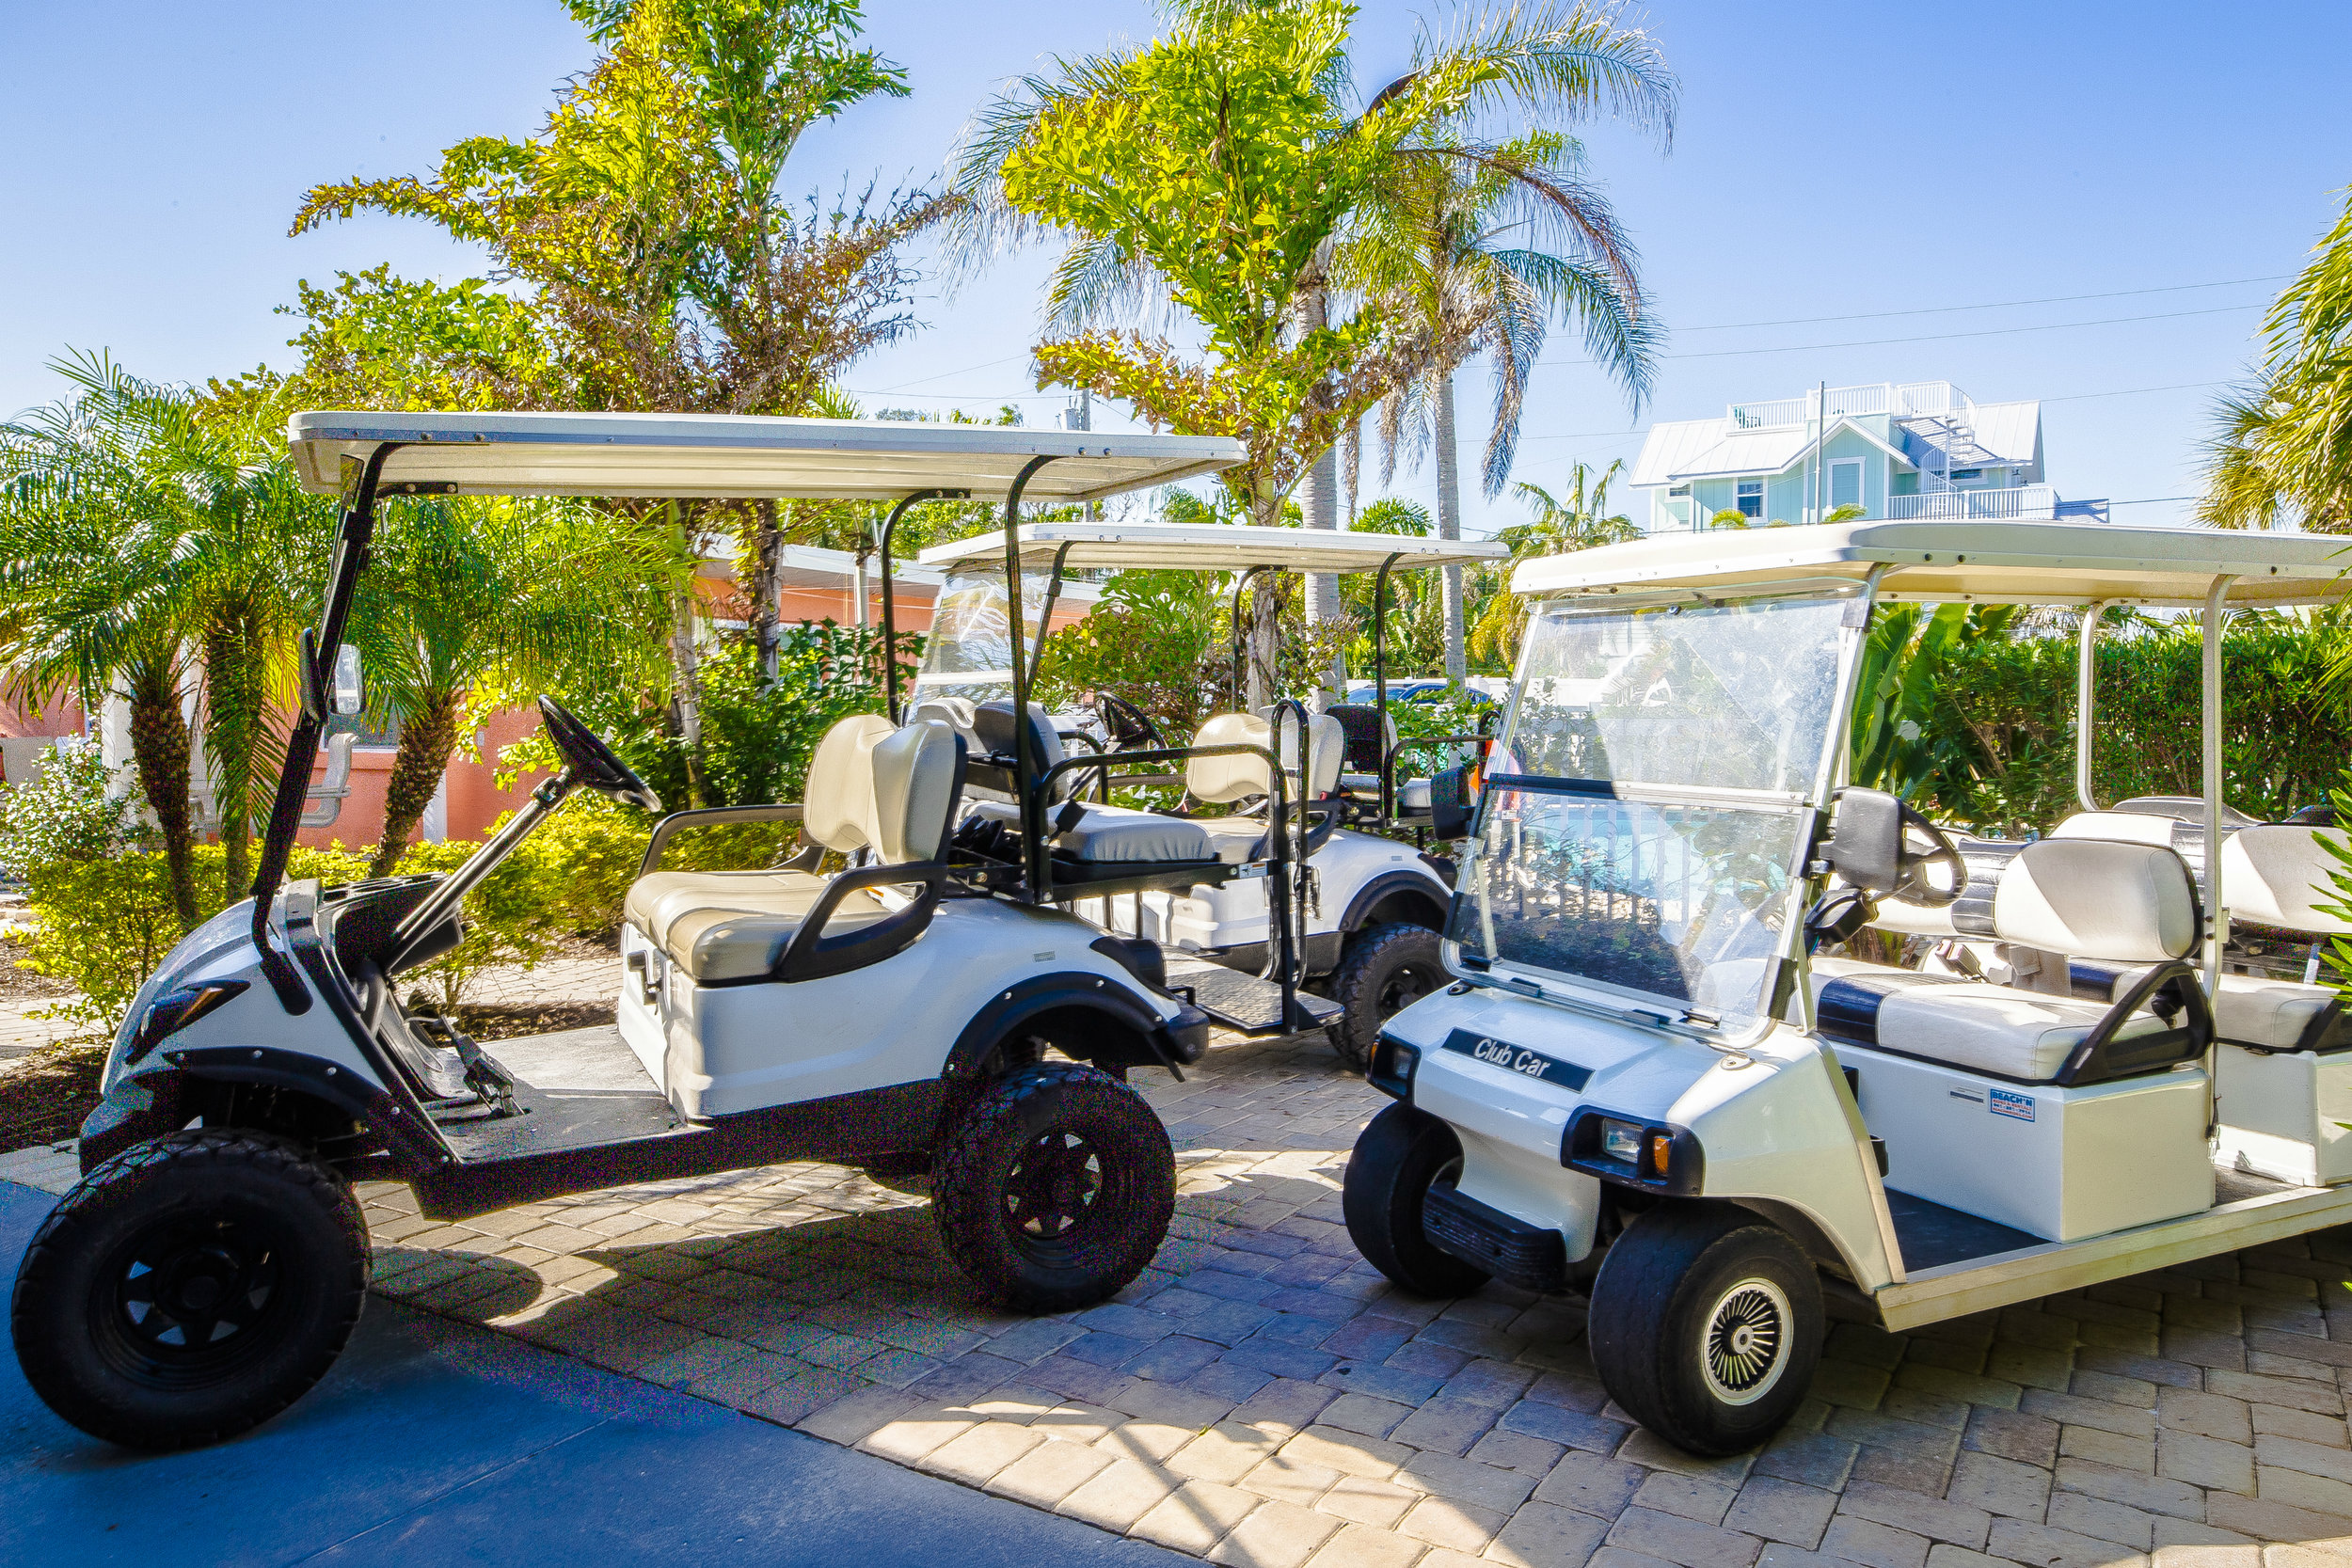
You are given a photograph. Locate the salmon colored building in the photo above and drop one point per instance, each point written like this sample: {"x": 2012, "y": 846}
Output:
{"x": 349, "y": 777}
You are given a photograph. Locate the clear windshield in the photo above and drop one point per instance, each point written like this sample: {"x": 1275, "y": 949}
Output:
{"x": 1641, "y": 822}
{"x": 968, "y": 651}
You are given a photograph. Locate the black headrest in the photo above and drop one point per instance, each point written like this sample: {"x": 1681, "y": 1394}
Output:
{"x": 992, "y": 722}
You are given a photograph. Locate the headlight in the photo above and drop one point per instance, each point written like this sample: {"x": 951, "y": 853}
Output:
{"x": 1621, "y": 1140}
{"x": 176, "y": 1010}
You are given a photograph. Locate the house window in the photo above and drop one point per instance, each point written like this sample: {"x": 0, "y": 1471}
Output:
{"x": 1845, "y": 483}
{"x": 1750, "y": 496}
{"x": 1967, "y": 474}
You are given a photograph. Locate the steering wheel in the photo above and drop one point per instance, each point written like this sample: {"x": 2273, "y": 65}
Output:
{"x": 597, "y": 767}
{"x": 1915, "y": 887}
{"x": 1131, "y": 728}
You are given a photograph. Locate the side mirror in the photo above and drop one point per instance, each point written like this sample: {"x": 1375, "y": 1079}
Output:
{"x": 1866, "y": 844}
{"x": 347, "y": 689}
{"x": 1453, "y": 801}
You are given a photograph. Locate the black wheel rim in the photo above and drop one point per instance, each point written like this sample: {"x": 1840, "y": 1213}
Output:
{"x": 1408, "y": 985}
{"x": 192, "y": 1299}
{"x": 1057, "y": 1195}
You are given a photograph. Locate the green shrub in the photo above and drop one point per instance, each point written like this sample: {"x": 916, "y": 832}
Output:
{"x": 71, "y": 813}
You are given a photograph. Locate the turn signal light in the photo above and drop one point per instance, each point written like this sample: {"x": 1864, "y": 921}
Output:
{"x": 1662, "y": 1147}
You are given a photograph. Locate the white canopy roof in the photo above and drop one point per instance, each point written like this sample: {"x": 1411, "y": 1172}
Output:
{"x": 734, "y": 456}
{"x": 1990, "y": 563}
{"x": 1214, "y": 548}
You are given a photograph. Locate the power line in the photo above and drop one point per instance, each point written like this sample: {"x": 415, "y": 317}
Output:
{"x": 2070, "y": 397}
{"x": 1933, "y": 337}
{"x": 1996, "y": 305}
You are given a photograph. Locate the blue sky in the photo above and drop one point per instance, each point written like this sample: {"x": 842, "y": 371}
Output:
{"x": 1832, "y": 161}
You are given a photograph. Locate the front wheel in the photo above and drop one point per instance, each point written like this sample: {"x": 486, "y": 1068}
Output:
{"x": 1054, "y": 1187}
{"x": 190, "y": 1288}
{"x": 1705, "y": 1325}
{"x": 1384, "y": 970}
{"x": 1396, "y": 1161}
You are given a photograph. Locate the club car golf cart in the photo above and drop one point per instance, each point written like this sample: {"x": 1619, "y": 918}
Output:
{"x": 892, "y": 1015}
{"x": 1654, "y": 1082}
{"x": 1362, "y": 911}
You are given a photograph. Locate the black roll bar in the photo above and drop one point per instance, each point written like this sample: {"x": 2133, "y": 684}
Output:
{"x": 355, "y": 533}
{"x": 890, "y": 621}
{"x": 1032, "y": 805}
{"x": 1380, "y": 682}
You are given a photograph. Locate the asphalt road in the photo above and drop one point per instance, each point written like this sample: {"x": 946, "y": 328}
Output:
{"x": 434, "y": 1442}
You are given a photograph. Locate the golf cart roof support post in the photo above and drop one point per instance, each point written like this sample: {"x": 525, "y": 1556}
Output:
{"x": 356, "y": 529}
{"x": 2086, "y": 701}
{"x": 1380, "y": 685}
{"x": 2216, "y": 910}
{"x": 890, "y": 622}
{"x": 1045, "y": 615}
{"x": 1032, "y": 810}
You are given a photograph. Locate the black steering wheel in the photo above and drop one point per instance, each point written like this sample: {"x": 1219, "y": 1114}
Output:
{"x": 1915, "y": 887}
{"x": 595, "y": 764}
{"x": 1132, "y": 729}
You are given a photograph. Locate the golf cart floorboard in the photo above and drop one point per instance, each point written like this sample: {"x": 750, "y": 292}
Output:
{"x": 579, "y": 1088}
{"x": 1247, "y": 1003}
{"x": 1931, "y": 1235}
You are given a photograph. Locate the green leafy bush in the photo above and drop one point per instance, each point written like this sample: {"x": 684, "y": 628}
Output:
{"x": 71, "y": 813}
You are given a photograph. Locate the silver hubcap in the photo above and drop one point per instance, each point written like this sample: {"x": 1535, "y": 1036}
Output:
{"x": 1743, "y": 1342}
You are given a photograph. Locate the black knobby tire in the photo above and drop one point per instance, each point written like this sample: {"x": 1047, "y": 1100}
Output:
{"x": 1395, "y": 1162}
{"x": 190, "y": 1288}
{"x": 1705, "y": 1325}
{"x": 1054, "y": 1187}
{"x": 1382, "y": 970}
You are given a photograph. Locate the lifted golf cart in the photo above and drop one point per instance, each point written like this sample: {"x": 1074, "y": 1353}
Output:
{"x": 893, "y": 1016}
{"x": 1295, "y": 882}
{"x": 1654, "y": 1082}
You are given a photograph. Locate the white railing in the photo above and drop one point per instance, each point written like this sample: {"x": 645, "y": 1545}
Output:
{"x": 2027, "y": 501}
{"x": 1901, "y": 399}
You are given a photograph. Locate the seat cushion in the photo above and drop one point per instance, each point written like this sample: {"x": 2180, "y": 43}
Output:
{"x": 1412, "y": 795}
{"x": 1235, "y": 840}
{"x": 1971, "y": 1024}
{"x": 1117, "y": 835}
{"x": 2250, "y": 1010}
{"x": 736, "y": 924}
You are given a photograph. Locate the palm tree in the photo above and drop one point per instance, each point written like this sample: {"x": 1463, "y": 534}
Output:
{"x": 470, "y": 602}
{"x": 2282, "y": 444}
{"x": 1484, "y": 256}
{"x": 1578, "y": 523}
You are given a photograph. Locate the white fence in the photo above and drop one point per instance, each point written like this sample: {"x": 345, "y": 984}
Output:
{"x": 1901, "y": 399}
{"x": 2030, "y": 501}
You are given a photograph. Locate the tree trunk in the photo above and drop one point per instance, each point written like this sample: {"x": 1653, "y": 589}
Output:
{"x": 427, "y": 736}
{"x": 684, "y": 677}
{"x": 1450, "y": 525}
{"x": 233, "y": 718}
{"x": 1264, "y": 679}
{"x": 1319, "y": 492}
{"x": 159, "y": 745}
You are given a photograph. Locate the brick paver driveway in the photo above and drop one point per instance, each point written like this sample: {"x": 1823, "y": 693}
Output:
{"x": 1261, "y": 1396}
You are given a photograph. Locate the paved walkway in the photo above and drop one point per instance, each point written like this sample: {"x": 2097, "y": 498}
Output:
{"x": 1260, "y": 1396}
{"x": 433, "y": 1441}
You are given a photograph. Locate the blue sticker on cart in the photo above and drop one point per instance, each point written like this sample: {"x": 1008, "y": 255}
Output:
{"x": 2006, "y": 1103}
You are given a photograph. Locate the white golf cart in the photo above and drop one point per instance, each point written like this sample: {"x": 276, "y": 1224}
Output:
{"x": 893, "y": 1016}
{"x": 1362, "y": 909}
{"x": 1649, "y": 1084}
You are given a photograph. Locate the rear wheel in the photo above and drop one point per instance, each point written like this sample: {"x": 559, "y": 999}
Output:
{"x": 1705, "y": 1325}
{"x": 1383, "y": 970}
{"x": 1396, "y": 1161}
{"x": 190, "y": 1288}
{"x": 1055, "y": 1188}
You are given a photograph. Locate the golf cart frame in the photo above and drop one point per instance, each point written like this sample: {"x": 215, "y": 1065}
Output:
{"x": 1723, "y": 1138}
{"x": 1355, "y": 877}
{"x": 763, "y": 1015}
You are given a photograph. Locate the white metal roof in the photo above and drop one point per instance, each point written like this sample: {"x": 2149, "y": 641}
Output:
{"x": 1214, "y": 547}
{"x": 815, "y": 567}
{"x": 1991, "y": 562}
{"x": 736, "y": 456}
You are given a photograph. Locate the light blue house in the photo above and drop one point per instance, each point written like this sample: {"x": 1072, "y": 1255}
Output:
{"x": 1921, "y": 449}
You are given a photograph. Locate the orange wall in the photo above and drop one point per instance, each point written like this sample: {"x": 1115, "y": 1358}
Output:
{"x": 58, "y": 715}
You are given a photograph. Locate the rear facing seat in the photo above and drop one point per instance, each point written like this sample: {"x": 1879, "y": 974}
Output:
{"x": 2133, "y": 903}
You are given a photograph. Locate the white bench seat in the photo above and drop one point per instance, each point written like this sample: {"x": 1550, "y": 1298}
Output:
{"x": 1974, "y": 1025}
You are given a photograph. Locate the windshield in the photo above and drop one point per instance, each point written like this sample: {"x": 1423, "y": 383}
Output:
{"x": 1643, "y": 816}
{"x": 968, "y": 651}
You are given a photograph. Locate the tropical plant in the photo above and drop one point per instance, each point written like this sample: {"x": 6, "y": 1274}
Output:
{"x": 1899, "y": 746}
{"x": 1580, "y": 522}
{"x": 472, "y": 601}
{"x": 73, "y": 812}
{"x": 2281, "y": 444}
{"x": 645, "y": 242}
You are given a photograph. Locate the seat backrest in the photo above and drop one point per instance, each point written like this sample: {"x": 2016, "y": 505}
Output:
{"x": 1326, "y": 750}
{"x": 992, "y": 722}
{"x": 2097, "y": 898}
{"x": 1239, "y": 776}
{"x": 2186, "y": 808}
{"x": 955, "y": 712}
{"x": 1368, "y": 741}
{"x": 2276, "y": 874}
{"x": 838, "y": 804}
{"x": 917, "y": 773}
